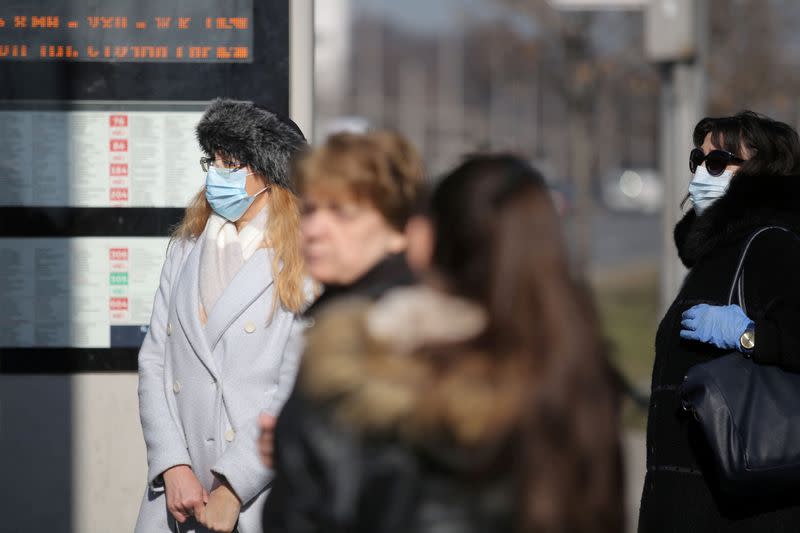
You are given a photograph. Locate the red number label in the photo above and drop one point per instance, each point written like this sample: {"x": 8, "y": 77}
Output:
{"x": 118, "y": 145}
{"x": 118, "y": 194}
{"x": 118, "y": 169}
{"x": 118, "y": 304}
{"x": 118, "y": 254}
{"x": 118, "y": 121}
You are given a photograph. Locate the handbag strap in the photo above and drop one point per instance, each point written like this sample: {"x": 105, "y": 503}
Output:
{"x": 738, "y": 277}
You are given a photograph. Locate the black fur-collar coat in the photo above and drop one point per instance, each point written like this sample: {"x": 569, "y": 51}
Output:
{"x": 680, "y": 493}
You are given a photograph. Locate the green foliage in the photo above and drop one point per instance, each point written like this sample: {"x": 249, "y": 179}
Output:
{"x": 627, "y": 301}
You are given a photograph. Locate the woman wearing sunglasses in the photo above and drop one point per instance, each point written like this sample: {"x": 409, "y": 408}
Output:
{"x": 745, "y": 176}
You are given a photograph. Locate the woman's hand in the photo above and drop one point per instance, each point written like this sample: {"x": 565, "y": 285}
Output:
{"x": 720, "y": 325}
{"x": 186, "y": 496}
{"x": 222, "y": 510}
{"x": 266, "y": 440}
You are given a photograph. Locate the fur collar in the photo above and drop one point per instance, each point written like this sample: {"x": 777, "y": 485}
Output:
{"x": 750, "y": 203}
{"x": 374, "y": 364}
{"x": 390, "y": 272}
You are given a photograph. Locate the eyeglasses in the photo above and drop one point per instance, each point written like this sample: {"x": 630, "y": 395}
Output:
{"x": 208, "y": 162}
{"x": 716, "y": 160}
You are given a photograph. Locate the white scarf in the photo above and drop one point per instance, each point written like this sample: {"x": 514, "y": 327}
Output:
{"x": 224, "y": 252}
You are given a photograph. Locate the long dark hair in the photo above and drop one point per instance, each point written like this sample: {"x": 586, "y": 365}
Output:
{"x": 499, "y": 243}
{"x": 773, "y": 147}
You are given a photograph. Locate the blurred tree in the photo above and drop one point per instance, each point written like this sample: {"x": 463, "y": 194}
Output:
{"x": 754, "y": 57}
{"x": 576, "y": 50}
{"x": 573, "y": 93}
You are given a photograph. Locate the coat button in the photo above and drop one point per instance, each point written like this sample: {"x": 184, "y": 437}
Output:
{"x": 229, "y": 435}
{"x": 176, "y": 387}
{"x": 250, "y": 326}
{"x": 169, "y": 328}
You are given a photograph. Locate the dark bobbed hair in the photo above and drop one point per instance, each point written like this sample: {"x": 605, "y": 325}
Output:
{"x": 499, "y": 243}
{"x": 773, "y": 147}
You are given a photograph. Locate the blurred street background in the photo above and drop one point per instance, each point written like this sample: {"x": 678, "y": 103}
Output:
{"x": 600, "y": 95}
{"x": 575, "y": 88}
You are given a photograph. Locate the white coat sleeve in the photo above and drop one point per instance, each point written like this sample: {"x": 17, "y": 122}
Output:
{"x": 241, "y": 465}
{"x": 290, "y": 366}
{"x": 166, "y": 446}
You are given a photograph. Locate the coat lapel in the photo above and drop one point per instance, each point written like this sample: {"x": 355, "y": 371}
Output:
{"x": 247, "y": 286}
{"x": 187, "y": 306}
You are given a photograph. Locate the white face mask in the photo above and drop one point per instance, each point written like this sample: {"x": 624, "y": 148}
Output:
{"x": 705, "y": 189}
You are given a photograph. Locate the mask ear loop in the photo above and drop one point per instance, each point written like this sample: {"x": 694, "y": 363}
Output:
{"x": 267, "y": 188}
{"x": 683, "y": 202}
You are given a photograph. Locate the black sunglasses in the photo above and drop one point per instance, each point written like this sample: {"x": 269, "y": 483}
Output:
{"x": 716, "y": 160}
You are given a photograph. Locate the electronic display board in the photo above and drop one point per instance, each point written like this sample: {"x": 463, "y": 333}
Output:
{"x": 127, "y": 30}
{"x": 98, "y": 158}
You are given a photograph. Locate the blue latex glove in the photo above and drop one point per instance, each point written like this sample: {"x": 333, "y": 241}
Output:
{"x": 720, "y": 325}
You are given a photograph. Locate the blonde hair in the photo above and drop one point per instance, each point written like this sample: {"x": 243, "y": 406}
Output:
{"x": 381, "y": 168}
{"x": 282, "y": 235}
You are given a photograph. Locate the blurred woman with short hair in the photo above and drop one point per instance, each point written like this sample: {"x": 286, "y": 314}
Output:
{"x": 357, "y": 191}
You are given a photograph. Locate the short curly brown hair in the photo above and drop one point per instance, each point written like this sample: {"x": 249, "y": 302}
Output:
{"x": 380, "y": 168}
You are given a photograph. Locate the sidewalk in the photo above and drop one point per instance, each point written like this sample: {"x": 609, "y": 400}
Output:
{"x": 634, "y": 458}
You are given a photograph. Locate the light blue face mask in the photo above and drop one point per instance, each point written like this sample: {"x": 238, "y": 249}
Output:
{"x": 705, "y": 189}
{"x": 225, "y": 191}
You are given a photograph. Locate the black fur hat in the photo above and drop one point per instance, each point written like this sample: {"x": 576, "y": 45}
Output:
{"x": 251, "y": 135}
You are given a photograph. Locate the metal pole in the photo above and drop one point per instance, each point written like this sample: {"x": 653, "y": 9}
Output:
{"x": 301, "y": 64}
{"x": 683, "y": 103}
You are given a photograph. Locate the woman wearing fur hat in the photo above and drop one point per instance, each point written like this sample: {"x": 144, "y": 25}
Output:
{"x": 224, "y": 337}
{"x": 746, "y": 177}
{"x": 358, "y": 191}
{"x": 478, "y": 403}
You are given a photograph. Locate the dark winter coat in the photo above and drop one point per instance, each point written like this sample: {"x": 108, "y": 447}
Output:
{"x": 378, "y": 439}
{"x": 680, "y": 491}
{"x": 392, "y": 271}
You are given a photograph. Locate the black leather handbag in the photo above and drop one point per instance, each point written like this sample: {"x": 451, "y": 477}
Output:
{"x": 749, "y": 413}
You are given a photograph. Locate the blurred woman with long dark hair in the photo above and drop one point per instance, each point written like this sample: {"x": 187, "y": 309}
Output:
{"x": 477, "y": 402}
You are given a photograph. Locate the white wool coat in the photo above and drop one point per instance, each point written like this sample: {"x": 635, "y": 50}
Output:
{"x": 201, "y": 389}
